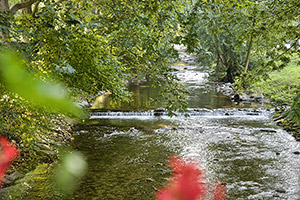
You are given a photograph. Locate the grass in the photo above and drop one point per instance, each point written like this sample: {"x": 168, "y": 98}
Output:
{"x": 282, "y": 86}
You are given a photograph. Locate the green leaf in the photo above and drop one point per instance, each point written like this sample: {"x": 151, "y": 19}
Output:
{"x": 71, "y": 167}
{"x": 42, "y": 93}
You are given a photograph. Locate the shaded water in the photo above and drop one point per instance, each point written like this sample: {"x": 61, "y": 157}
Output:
{"x": 192, "y": 76}
{"x": 127, "y": 152}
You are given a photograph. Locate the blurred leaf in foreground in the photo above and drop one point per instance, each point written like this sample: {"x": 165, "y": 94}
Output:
{"x": 68, "y": 172}
{"x": 16, "y": 79}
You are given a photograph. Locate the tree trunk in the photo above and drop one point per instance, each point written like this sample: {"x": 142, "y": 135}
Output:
{"x": 27, "y": 9}
{"x": 248, "y": 54}
{"x": 249, "y": 48}
{"x": 4, "y": 5}
{"x": 23, "y": 4}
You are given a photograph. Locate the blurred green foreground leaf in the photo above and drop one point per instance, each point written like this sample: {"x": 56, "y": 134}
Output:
{"x": 70, "y": 169}
{"x": 42, "y": 93}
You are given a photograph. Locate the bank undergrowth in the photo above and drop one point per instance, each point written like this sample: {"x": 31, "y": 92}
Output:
{"x": 281, "y": 88}
{"x": 36, "y": 132}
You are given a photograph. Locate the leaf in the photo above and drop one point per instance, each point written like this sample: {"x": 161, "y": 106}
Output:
{"x": 71, "y": 167}
{"x": 49, "y": 94}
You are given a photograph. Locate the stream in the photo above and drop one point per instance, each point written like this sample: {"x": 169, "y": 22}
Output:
{"x": 127, "y": 146}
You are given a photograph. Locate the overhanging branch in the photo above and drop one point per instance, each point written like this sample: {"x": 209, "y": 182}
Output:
{"x": 19, "y": 6}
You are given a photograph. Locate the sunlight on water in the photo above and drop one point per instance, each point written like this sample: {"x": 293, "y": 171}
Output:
{"x": 251, "y": 154}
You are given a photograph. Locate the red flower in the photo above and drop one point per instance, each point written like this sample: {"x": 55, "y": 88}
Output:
{"x": 7, "y": 154}
{"x": 220, "y": 192}
{"x": 186, "y": 183}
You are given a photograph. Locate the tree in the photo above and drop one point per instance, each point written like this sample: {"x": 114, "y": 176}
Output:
{"x": 212, "y": 30}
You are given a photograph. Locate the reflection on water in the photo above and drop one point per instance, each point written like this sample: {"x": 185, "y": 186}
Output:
{"x": 124, "y": 163}
{"x": 251, "y": 155}
{"x": 127, "y": 158}
{"x": 140, "y": 100}
{"x": 142, "y": 94}
{"x": 191, "y": 76}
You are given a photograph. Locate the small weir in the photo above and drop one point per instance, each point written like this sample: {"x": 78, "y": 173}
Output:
{"x": 200, "y": 112}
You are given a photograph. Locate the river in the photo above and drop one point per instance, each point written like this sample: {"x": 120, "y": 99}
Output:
{"x": 127, "y": 148}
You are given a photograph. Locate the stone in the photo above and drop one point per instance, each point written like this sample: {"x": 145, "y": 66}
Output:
{"x": 10, "y": 179}
{"x": 14, "y": 176}
{"x": 159, "y": 112}
{"x": 267, "y": 130}
{"x": 84, "y": 104}
{"x": 280, "y": 191}
{"x": 228, "y": 91}
{"x": 149, "y": 180}
{"x": 260, "y": 97}
{"x": 237, "y": 98}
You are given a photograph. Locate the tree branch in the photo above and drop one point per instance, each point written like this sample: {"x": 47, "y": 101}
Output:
{"x": 22, "y": 5}
{"x": 58, "y": 2}
{"x": 35, "y": 9}
{"x": 19, "y": 6}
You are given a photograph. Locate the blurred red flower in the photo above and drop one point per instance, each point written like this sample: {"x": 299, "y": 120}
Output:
{"x": 220, "y": 192}
{"x": 187, "y": 183}
{"x": 7, "y": 154}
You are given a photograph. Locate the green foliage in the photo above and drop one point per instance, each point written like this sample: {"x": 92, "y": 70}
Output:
{"x": 294, "y": 113}
{"x": 100, "y": 46}
{"x": 225, "y": 33}
{"x": 222, "y": 31}
{"x": 139, "y": 34}
{"x": 20, "y": 121}
{"x": 64, "y": 45}
{"x": 282, "y": 87}
{"x": 5, "y": 19}
{"x": 34, "y": 130}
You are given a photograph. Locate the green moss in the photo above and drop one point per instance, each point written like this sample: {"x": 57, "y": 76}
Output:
{"x": 35, "y": 178}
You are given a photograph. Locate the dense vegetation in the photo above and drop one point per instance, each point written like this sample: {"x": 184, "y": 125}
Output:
{"x": 93, "y": 46}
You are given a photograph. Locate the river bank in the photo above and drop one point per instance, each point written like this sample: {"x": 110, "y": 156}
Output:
{"x": 41, "y": 157}
{"x": 259, "y": 94}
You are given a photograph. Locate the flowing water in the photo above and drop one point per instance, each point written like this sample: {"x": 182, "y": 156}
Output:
{"x": 127, "y": 148}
